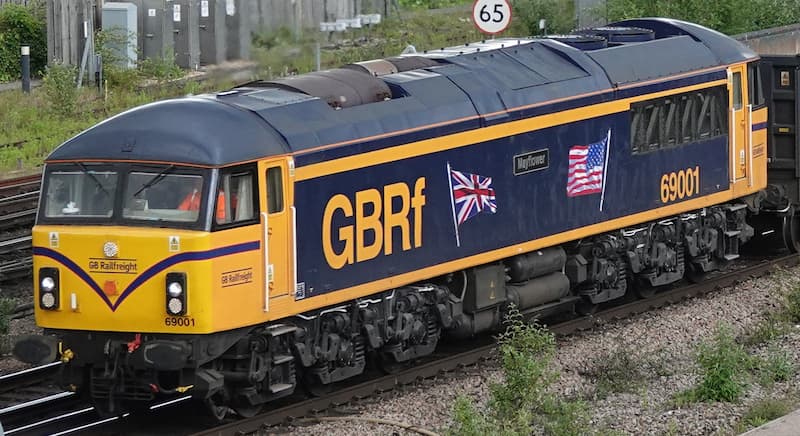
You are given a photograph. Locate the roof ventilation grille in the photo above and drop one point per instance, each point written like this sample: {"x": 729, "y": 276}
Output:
{"x": 620, "y": 34}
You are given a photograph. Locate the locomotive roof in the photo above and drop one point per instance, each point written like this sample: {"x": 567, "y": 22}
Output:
{"x": 448, "y": 90}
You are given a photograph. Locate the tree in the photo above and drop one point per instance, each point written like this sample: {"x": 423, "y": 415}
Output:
{"x": 21, "y": 25}
{"x": 559, "y": 15}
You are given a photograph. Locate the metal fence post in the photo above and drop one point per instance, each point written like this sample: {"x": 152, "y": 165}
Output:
{"x": 26, "y": 68}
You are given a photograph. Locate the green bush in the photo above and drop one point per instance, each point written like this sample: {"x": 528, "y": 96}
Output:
{"x": 21, "y": 25}
{"x": 60, "y": 88}
{"x": 160, "y": 69}
{"x": 724, "y": 366}
{"x": 523, "y": 402}
{"x": 559, "y": 15}
{"x": 109, "y": 43}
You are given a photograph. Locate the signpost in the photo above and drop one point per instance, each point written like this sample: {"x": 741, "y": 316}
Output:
{"x": 491, "y": 16}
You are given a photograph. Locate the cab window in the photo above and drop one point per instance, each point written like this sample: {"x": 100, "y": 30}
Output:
{"x": 754, "y": 86}
{"x": 737, "y": 91}
{"x": 274, "y": 190}
{"x": 83, "y": 192}
{"x": 236, "y": 197}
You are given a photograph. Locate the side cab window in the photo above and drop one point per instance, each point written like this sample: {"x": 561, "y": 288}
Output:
{"x": 236, "y": 197}
{"x": 274, "y": 190}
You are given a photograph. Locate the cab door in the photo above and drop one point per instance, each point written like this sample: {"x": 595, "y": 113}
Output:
{"x": 739, "y": 122}
{"x": 277, "y": 228}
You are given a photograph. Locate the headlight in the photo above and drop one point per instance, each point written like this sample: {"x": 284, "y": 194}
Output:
{"x": 175, "y": 289}
{"x": 176, "y": 293}
{"x": 48, "y": 300}
{"x": 48, "y": 288}
{"x": 48, "y": 284}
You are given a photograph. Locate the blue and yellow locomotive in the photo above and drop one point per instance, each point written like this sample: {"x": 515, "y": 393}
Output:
{"x": 240, "y": 245}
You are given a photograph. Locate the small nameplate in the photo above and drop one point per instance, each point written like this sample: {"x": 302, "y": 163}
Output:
{"x": 532, "y": 161}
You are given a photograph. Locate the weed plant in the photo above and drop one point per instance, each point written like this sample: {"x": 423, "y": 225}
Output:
{"x": 59, "y": 85}
{"x": 777, "y": 366}
{"x": 7, "y": 306}
{"x": 771, "y": 327}
{"x": 725, "y": 368}
{"x": 763, "y": 412}
{"x": 523, "y": 401}
{"x": 723, "y": 365}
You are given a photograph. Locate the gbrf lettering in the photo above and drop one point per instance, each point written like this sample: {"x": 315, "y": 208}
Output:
{"x": 376, "y": 213}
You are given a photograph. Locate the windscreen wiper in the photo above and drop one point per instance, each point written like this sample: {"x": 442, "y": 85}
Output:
{"x": 93, "y": 177}
{"x": 157, "y": 178}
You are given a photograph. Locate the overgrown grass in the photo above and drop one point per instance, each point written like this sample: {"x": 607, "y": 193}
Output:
{"x": 624, "y": 369}
{"x": 7, "y": 306}
{"x": 723, "y": 367}
{"x": 777, "y": 366}
{"x": 282, "y": 52}
{"x": 763, "y": 412}
{"x": 57, "y": 111}
{"x": 523, "y": 403}
{"x": 771, "y": 327}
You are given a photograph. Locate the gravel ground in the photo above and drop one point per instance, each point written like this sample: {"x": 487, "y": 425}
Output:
{"x": 21, "y": 293}
{"x": 663, "y": 341}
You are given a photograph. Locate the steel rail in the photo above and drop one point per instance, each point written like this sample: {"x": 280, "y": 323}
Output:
{"x": 15, "y": 244}
{"x": 33, "y": 179}
{"x": 15, "y": 380}
{"x": 17, "y": 198}
{"x": 261, "y": 423}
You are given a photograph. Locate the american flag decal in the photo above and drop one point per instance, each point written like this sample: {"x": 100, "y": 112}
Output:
{"x": 471, "y": 195}
{"x": 587, "y": 168}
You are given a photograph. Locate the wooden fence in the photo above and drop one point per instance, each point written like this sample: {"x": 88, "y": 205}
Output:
{"x": 65, "y": 19}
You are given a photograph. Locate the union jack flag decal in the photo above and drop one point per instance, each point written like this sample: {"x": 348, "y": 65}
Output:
{"x": 472, "y": 194}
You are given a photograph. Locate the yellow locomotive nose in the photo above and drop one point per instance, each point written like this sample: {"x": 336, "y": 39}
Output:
{"x": 81, "y": 287}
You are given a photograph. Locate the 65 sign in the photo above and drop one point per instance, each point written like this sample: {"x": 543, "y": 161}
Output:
{"x": 491, "y": 16}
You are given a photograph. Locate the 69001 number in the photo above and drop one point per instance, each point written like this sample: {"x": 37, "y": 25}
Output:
{"x": 680, "y": 184}
{"x": 175, "y": 321}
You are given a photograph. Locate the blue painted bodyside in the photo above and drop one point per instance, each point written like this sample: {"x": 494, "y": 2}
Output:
{"x": 529, "y": 206}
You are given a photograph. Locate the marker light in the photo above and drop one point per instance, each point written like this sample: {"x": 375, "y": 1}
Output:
{"x": 48, "y": 284}
{"x": 176, "y": 293}
{"x": 175, "y": 289}
{"x": 48, "y": 288}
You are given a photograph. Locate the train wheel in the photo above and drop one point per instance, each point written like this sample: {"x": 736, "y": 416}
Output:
{"x": 694, "y": 273}
{"x": 216, "y": 408}
{"x": 319, "y": 389}
{"x": 791, "y": 232}
{"x": 388, "y": 365}
{"x": 246, "y": 411}
{"x": 585, "y": 307}
{"x": 644, "y": 289}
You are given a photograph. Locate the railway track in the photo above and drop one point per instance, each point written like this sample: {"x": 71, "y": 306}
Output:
{"x": 19, "y": 198}
{"x": 314, "y": 406}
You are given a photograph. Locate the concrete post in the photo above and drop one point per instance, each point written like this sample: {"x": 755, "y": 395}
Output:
{"x": 26, "y": 68}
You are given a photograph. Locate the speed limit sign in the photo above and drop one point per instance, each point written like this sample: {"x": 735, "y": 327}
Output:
{"x": 491, "y": 16}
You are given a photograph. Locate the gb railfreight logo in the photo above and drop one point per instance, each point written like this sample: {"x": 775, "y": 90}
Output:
{"x": 359, "y": 228}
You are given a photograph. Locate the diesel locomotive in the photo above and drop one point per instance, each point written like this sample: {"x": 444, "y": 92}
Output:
{"x": 243, "y": 245}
